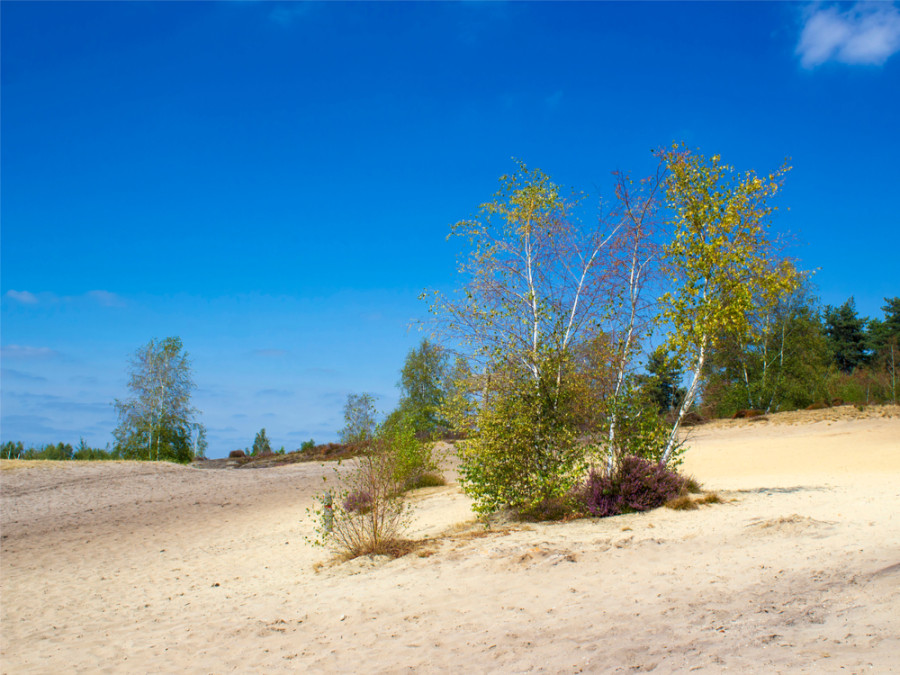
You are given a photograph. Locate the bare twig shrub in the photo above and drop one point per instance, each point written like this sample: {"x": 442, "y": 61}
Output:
{"x": 369, "y": 515}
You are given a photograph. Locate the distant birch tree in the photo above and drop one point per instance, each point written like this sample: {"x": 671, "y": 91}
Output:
{"x": 359, "y": 419}
{"x": 721, "y": 263}
{"x": 155, "y": 422}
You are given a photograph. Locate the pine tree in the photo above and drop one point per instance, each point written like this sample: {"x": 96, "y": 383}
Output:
{"x": 846, "y": 335}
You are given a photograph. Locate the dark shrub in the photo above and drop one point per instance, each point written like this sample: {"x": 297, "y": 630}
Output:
{"x": 236, "y": 454}
{"x": 746, "y": 414}
{"x": 551, "y": 508}
{"x": 358, "y": 502}
{"x": 635, "y": 485}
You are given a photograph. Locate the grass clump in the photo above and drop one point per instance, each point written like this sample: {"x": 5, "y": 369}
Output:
{"x": 685, "y": 502}
{"x": 682, "y": 503}
{"x": 426, "y": 480}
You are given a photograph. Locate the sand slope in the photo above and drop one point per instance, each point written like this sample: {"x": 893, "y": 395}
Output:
{"x": 122, "y": 567}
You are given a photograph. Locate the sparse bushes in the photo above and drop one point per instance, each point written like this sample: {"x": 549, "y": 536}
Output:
{"x": 236, "y": 454}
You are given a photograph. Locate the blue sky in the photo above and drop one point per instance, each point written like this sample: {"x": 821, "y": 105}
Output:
{"x": 274, "y": 182}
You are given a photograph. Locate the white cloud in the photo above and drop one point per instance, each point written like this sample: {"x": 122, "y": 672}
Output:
{"x": 25, "y": 297}
{"x": 106, "y": 298}
{"x": 864, "y": 34}
{"x": 26, "y": 352}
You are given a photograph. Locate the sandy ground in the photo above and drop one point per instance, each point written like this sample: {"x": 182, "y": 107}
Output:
{"x": 138, "y": 568}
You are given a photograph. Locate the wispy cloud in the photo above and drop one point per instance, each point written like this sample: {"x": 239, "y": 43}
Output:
{"x": 285, "y": 15}
{"x": 279, "y": 393}
{"x": 84, "y": 380}
{"x": 26, "y": 352}
{"x": 270, "y": 353}
{"x": 24, "y": 297}
{"x": 100, "y": 297}
{"x": 10, "y": 374}
{"x": 320, "y": 372}
{"x": 864, "y": 34}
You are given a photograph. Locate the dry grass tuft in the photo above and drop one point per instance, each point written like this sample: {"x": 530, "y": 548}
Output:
{"x": 688, "y": 503}
{"x": 682, "y": 503}
{"x": 692, "y": 485}
{"x": 427, "y": 480}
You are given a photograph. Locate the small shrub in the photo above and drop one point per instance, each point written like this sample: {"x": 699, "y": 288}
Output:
{"x": 236, "y": 454}
{"x": 692, "y": 419}
{"x": 306, "y": 446}
{"x": 552, "y": 508}
{"x": 525, "y": 450}
{"x": 369, "y": 514}
{"x": 711, "y": 498}
{"x": 635, "y": 485}
{"x": 746, "y": 414}
{"x": 413, "y": 458}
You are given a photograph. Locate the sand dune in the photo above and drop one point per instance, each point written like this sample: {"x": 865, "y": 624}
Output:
{"x": 125, "y": 568}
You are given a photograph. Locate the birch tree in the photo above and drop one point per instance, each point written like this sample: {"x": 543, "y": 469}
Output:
{"x": 636, "y": 258}
{"x": 722, "y": 263}
{"x": 537, "y": 286}
{"x": 155, "y": 422}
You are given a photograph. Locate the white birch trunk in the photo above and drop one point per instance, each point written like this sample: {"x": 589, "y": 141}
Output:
{"x": 687, "y": 402}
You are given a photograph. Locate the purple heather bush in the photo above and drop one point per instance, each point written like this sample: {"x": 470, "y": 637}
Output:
{"x": 635, "y": 485}
{"x": 358, "y": 502}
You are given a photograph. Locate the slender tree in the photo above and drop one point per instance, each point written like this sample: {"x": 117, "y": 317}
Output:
{"x": 155, "y": 421}
{"x": 721, "y": 262}
{"x": 261, "y": 444}
{"x": 423, "y": 385}
{"x": 636, "y": 259}
{"x": 359, "y": 418}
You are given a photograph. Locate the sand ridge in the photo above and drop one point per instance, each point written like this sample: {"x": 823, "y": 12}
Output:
{"x": 123, "y": 567}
